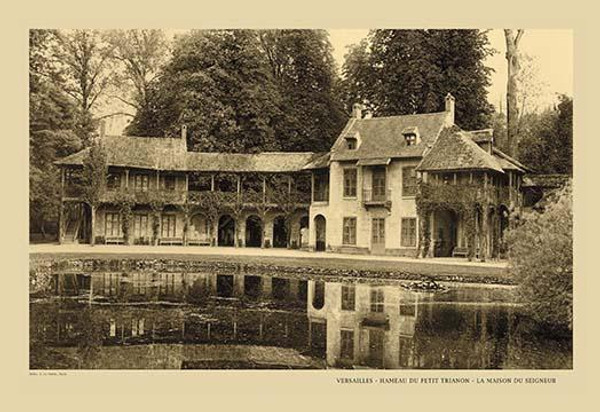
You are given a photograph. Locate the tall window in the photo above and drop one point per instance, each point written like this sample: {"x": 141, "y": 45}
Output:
{"x": 409, "y": 181}
{"x": 408, "y": 237}
{"x": 321, "y": 187}
{"x": 349, "y": 182}
{"x": 349, "y": 231}
{"x": 168, "y": 226}
{"x": 140, "y": 225}
{"x": 141, "y": 182}
{"x": 347, "y": 344}
{"x": 112, "y": 225}
{"x": 348, "y": 297}
{"x": 377, "y": 300}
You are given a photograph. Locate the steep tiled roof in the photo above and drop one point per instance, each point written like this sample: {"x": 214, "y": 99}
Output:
{"x": 138, "y": 152}
{"x": 382, "y": 136}
{"x": 170, "y": 154}
{"x": 509, "y": 163}
{"x": 319, "y": 161}
{"x": 456, "y": 150}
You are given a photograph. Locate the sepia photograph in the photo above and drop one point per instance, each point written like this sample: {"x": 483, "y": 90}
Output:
{"x": 360, "y": 199}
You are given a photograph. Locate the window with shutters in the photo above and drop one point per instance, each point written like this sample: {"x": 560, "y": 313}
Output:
{"x": 349, "y": 182}
{"x": 349, "y": 237}
{"x": 112, "y": 225}
{"x": 346, "y": 344}
{"x": 408, "y": 237}
{"x": 409, "y": 181}
{"x": 168, "y": 229}
{"x": 348, "y": 297}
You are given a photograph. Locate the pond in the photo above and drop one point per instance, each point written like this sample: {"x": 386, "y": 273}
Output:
{"x": 147, "y": 315}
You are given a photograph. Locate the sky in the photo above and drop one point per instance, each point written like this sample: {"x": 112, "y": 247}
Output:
{"x": 552, "y": 51}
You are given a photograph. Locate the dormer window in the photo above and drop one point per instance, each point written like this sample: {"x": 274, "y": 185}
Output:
{"x": 351, "y": 143}
{"x": 411, "y": 139}
{"x": 411, "y": 136}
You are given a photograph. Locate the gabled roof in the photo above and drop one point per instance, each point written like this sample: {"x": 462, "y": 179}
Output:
{"x": 455, "y": 150}
{"x": 383, "y": 136}
{"x": 158, "y": 153}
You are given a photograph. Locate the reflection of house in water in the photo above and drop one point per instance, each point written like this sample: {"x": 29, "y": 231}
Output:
{"x": 362, "y": 324}
{"x": 348, "y": 324}
{"x": 192, "y": 308}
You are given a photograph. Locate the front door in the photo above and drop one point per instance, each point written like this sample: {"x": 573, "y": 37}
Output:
{"x": 378, "y": 184}
{"x": 378, "y": 236}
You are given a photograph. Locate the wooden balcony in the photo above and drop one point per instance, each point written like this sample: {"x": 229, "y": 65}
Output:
{"x": 378, "y": 198}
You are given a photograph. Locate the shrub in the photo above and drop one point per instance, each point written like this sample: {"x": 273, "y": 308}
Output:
{"x": 540, "y": 251}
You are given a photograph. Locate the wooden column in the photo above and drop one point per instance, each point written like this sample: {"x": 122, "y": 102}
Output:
{"x": 212, "y": 183}
{"x": 93, "y": 226}
{"x": 483, "y": 253}
{"x": 264, "y": 193}
{"x": 312, "y": 187}
{"x": 127, "y": 178}
{"x": 61, "y": 216}
{"x": 157, "y": 180}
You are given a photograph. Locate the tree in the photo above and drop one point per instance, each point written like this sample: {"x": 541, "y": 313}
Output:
{"x": 140, "y": 54}
{"x": 93, "y": 180}
{"x": 87, "y": 67}
{"x": 541, "y": 260}
{"x": 398, "y": 72}
{"x": 52, "y": 117}
{"x": 546, "y": 143}
{"x": 512, "y": 38}
{"x": 247, "y": 91}
{"x": 219, "y": 86}
{"x": 304, "y": 71}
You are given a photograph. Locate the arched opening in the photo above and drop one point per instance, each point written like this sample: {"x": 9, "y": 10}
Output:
{"x": 320, "y": 232}
{"x": 304, "y": 231}
{"x": 318, "y": 299}
{"x": 226, "y": 231}
{"x": 199, "y": 230}
{"x": 280, "y": 232}
{"x": 445, "y": 233}
{"x": 254, "y": 231}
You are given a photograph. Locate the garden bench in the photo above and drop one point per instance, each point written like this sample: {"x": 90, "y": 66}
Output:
{"x": 113, "y": 240}
{"x": 171, "y": 241}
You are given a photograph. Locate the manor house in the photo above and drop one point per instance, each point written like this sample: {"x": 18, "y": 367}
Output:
{"x": 399, "y": 185}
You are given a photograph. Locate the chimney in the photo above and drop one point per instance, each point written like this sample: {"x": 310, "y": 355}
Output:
{"x": 184, "y": 132}
{"x": 450, "y": 108}
{"x": 357, "y": 110}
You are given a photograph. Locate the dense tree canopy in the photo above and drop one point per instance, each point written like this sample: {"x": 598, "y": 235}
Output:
{"x": 546, "y": 139}
{"x": 411, "y": 71}
{"x": 52, "y": 121}
{"x": 247, "y": 91}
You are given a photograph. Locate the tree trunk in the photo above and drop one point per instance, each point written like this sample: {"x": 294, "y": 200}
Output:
{"x": 93, "y": 226}
{"x": 512, "y": 38}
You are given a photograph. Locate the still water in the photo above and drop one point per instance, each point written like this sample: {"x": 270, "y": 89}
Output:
{"x": 229, "y": 317}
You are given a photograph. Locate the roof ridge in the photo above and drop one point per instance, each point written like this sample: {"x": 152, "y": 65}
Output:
{"x": 404, "y": 115}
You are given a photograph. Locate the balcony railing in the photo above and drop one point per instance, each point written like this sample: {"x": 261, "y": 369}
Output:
{"x": 377, "y": 197}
